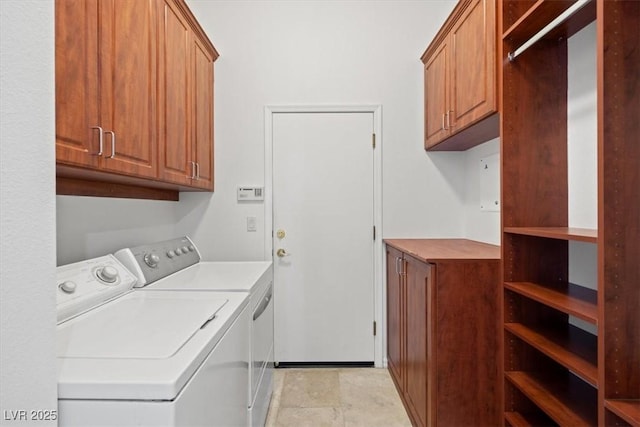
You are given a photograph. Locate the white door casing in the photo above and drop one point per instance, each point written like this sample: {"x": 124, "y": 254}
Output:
{"x": 323, "y": 190}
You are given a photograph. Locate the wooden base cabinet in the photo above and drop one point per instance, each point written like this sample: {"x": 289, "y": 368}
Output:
{"x": 443, "y": 330}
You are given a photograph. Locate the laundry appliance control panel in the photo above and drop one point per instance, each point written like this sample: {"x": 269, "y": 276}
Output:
{"x": 157, "y": 260}
{"x": 87, "y": 284}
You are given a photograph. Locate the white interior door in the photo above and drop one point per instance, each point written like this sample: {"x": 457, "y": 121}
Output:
{"x": 323, "y": 203}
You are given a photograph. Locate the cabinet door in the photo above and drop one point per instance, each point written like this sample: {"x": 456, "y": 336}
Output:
{"x": 203, "y": 114}
{"x": 395, "y": 314}
{"x": 472, "y": 63}
{"x": 436, "y": 96}
{"x": 417, "y": 312}
{"x": 174, "y": 95}
{"x": 77, "y": 82}
{"x": 128, "y": 44}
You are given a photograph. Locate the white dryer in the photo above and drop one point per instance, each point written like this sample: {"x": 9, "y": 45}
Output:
{"x": 141, "y": 358}
{"x": 152, "y": 263}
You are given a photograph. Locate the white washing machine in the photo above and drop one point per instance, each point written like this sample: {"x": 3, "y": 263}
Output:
{"x": 151, "y": 264}
{"x": 148, "y": 358}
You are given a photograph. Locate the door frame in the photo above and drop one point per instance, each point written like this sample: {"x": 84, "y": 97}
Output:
{"x": 378, "y": 258}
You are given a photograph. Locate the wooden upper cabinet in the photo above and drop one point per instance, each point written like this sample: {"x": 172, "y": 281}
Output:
{"x": 174, "y": 95}
{"x": 128, "y": 35}
{"x": 461, "y": 79}
{"x": 134, "y": 97}
{"x": 76, "y": 50}
{"x": 186, "y": 99}
{"x": 202, "y": 127}
{"x": 473, "y": 65}
{"x": 105, "y": 85}
{"x": 436, "y": 96}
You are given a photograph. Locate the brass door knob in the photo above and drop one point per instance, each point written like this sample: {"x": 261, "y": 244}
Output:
{"x": 281, "y": 253}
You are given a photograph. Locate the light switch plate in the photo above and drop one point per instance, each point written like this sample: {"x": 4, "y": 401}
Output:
{"x": 251, "y": 223}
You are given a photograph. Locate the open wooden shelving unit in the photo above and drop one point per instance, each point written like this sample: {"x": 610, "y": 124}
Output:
{"x": 556, "y": 373}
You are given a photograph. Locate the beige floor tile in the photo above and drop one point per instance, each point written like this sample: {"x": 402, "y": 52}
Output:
{"x": 310, "y": 388}
{"x": 358, "y": 397}
{"x": 369, "y": 398}
{"x": 367, "y": 387}
{"x": 278, "y": 379}
{"x": 368, "y": 416}
{"x": 311, "y": 417}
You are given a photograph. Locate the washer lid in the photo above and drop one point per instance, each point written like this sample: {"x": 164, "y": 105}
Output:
{"x": 138, "y": 327}
{"x": 103, "y": 356}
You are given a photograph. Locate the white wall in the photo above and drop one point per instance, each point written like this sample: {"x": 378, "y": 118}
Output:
{"x": 27, "y": 210}
{"x": 273, "y": 53}
{"x": 583, "y": 157}
{"x": 88, "y": 227}
{"x": 301, "y": 53}
{"x": 582, "y": 129}
{"x": 481, "y": 224}
{"x": 293, "y": 53}
{"x": 322, "y": 53}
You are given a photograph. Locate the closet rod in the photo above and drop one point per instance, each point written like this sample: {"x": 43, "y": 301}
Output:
{"x": 540, "y": 34}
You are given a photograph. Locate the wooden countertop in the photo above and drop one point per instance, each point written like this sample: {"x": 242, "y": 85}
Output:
{"x": 438, "y": 250}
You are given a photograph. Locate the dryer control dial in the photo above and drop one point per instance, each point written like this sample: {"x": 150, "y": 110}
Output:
{"x": 107, "y": 274}
{"x": 68, "y": 286}
{"x": 152, "y": 260}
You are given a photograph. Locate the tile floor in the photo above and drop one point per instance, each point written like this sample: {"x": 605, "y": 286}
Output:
{"x": 345, "y": 397}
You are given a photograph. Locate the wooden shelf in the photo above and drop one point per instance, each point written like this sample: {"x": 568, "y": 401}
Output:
{"x": 561, "y": 233}
{"x": 536, "y": 191}
{"x": 516, "y": 419}
{"x": 545, "y": 11}
{"x": 628, "y": 410}
{"x": 569, "y": 403}
{"x": 573, "y": 348}
{"x": 576, "y": 300}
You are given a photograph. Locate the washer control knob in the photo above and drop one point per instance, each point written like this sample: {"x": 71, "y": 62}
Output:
{"x": 191, "y": 248}
{"x": 107, "y": 274}
{"x": 152, "y": 260}
{"x": 178, "y": 251}
{"x": 171, "y": 254}
{"x": 185, "y": 250}
{"x": 68, "y": 287}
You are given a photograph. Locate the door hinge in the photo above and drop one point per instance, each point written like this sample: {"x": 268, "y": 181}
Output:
{"x": 374, "y": 232}
{"x": 375, "y": 328}
{"x": 373, "y": 140}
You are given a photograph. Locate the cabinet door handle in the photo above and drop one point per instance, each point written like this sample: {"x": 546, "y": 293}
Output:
{"x": 113, "y": 143}
{"x": 449, "y": 125}
{"x": 100, "y": 140}
{"x": 197, "y": 170}
{"x": 397, "y": 270}
{"x": 193, "y": 170}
